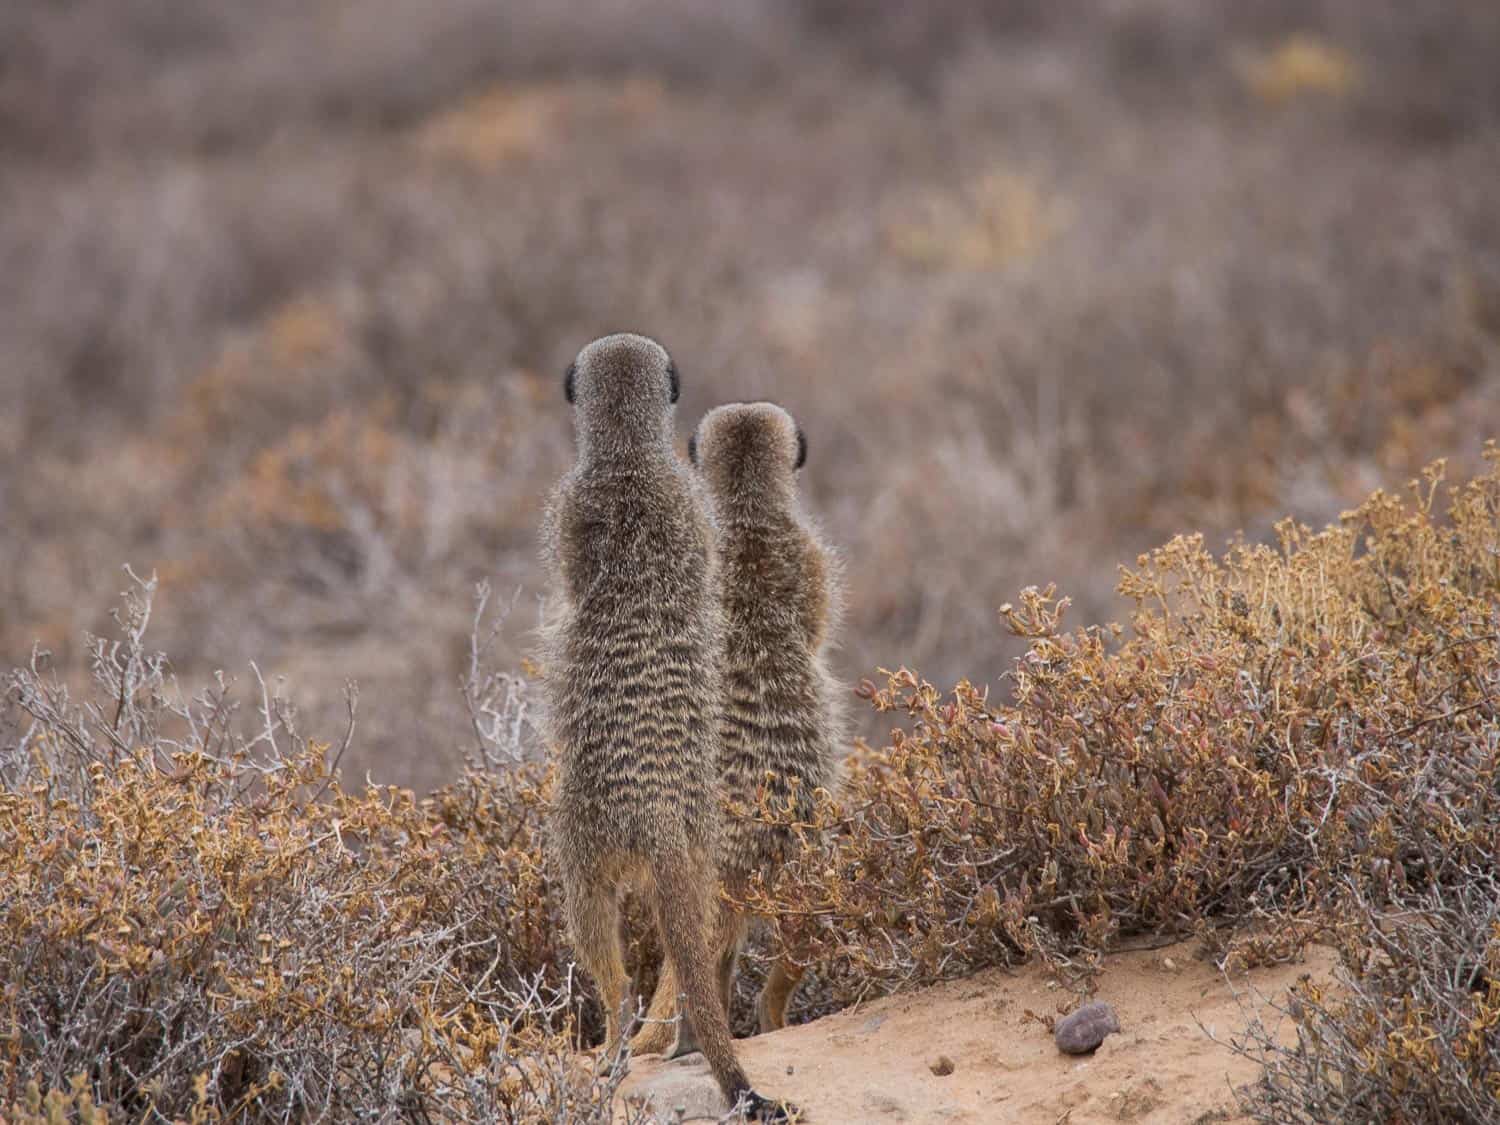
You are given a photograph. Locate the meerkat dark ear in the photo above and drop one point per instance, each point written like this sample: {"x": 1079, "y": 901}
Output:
{"x": 569, "y": 379}
{"x": 693, "y": 447}
{"x": 675, "y": 382}
{"x": 801, "y": 449}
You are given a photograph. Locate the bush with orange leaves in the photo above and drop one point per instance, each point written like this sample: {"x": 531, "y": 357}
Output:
{"x": 1291, "y": 742}
{"x": 201, "y": 923}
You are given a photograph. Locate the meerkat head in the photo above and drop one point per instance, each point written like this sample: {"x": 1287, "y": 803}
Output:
{"x": 744, "y": 448}
{"x": 622, "y": 388}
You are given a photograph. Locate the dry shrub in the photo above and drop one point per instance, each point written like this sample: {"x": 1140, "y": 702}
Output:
{"x": 1283, "y": 725}
{"x": 203, "y": 923}
{"x": 1411, "y": 1032}
{"x": 1002, "y": 218}
{"x": 1293, "y": 741}
{"x": 507, "y": 121}
{"x": 1300, "y": 66}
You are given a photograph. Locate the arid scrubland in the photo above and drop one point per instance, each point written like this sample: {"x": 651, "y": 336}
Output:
{"x": 287, "y": 295}
{"x": 288, "y": 288}
{"x": 1294, "y": 743}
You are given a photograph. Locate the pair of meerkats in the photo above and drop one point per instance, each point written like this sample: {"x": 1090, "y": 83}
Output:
{"x": 684, "y": 664}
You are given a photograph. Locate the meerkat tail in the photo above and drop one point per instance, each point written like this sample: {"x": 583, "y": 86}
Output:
{"x": 682, "y": 915}
{"x": 657, "y": 1036}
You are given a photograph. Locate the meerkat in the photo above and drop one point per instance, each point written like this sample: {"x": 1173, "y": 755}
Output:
{"x": 784, "y": 717}
{"x": 632, "y": 677}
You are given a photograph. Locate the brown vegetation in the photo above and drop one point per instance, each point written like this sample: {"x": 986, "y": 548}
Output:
{"x": 203, "y": 924}
{"x": 288, "y": 289}
{"x": 1294, "y": 743}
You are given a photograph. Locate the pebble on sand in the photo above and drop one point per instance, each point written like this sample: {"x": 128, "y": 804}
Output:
{"x": 1080, "y": 1032}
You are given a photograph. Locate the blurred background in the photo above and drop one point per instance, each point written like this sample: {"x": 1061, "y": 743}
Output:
{"x": 288, "y": 288}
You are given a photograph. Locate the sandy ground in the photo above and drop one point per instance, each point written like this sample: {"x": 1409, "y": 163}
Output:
{"x": 875, "y": 1064}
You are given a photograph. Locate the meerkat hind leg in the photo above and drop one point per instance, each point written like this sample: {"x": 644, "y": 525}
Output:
{"x": 594, "y": 927}
{"x": 782, "y": 981}
{"x": 658, "y": 1032}
{"x": 731, "y": 935}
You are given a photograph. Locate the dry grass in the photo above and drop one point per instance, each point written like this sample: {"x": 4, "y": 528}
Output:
{"x": 1300, "y": 67}
{"x": 289, "y": 294}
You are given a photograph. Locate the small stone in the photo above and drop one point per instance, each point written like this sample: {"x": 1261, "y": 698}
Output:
{"x": 1169, "y": 964}
{"x": 1081, "y": 1032}
{"x": 942, "y": 1066}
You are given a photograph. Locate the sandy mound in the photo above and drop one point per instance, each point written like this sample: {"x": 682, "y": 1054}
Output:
{"x": 877, "y": 1063}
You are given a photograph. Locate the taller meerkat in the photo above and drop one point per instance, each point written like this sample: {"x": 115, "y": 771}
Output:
{"x": 633, "y": 688}
{"x": 784, "y": 716}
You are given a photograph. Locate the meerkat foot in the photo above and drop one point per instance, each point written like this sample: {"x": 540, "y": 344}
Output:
{"x": 768, "y": 1110}
{"x": 685, "y": 1042}
{"x": 654, "y": 1039}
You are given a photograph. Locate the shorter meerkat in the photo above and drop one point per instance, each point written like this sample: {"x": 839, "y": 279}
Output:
{"x": 784, "y": 718}
{"x": 632, "y": 674}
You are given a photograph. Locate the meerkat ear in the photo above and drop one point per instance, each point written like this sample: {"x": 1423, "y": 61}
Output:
{"x": 676, "y": 383}
{"x": 569, "y": 379}
{"x": 801, "y": 449}
{"x": 693, "y": 447}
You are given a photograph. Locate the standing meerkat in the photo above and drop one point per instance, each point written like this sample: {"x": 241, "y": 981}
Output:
{"x": 634, "y": 692}
{"x": 784, "y": 718}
